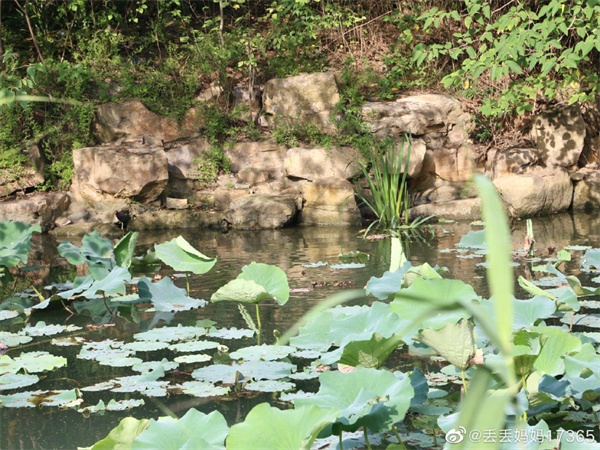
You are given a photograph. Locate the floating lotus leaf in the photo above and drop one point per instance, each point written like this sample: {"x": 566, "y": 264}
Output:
{"x": 7, "y": 314}
{"x": 123, "y": 361}
{"x": 41, "y": 329}
{"x": 20, "y": 399}
{"x": 193, "y": 346}
{"x": 527, "y": 313}
{"x": 113, "y": 405}
{"x": 145, "y": 346}
{"x": 347, "y": 266}
{"x": 585, "y": 320}
{"x": 122, "y": 436}
{"x": 371, "y": 353}
{"x": 272, "y": 428}
{"x": 418, "y": 300}
{"x": 291, "y": 396}
{"x": 79, "y": 285}
{"x": 31, "y": 362}
{"x": 271, "y": 278}
{"x": 63, "y": 399}
{"x": 473, "y": 239}
{"x": 230, "y": 333}
{"x": 255, "y": 370}
{"x": 591, "y": 259}
{"x": 165, "y": 296}
{"x": 104, "y": 350}
{"x": 315, "y": 265}
{"x": 269, "y": 386}
{"x": 195, "y": 430}
{"x": 171, "y": 334}
{"x": 180, "y": 255}
{"x": 203, "y": 389}
{"x": 262, "y": 352}
{"x": 13, "y": 339}
{"x": 137, "y": 384}
{"x": 372, "y": 398}
{"x": 16, "y": 380}
{"x": 388, "y": 284}
{"x": 191, "y": 359}
{"x": 455, "y": 342}
{"x": 15, "y": 242}
{"x": 150, "y": 366}
{"x": 124, "y": 249}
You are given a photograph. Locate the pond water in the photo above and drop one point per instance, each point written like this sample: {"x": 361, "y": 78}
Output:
{"x": 289, "y": 249}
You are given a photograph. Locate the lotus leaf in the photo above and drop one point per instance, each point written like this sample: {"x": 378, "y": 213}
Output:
{"x": 272, "y": 428}
{"x": 150, "y": 366}
{"x": 171, "y": 334}
{"x": 180, "y": 255}
{"x": 191, "y": 359}
{"x": 238, "y": 290}
{"x": 256, "y": 370}
{"x": 13, "y": 339}
{"x": 370, "y": 353}
{"x": 230, "y": 333}
{"x": 16, "y": 380}
{"x": 20, "y": 399}
{"x": 587, "y": 320}
{"x": 193, "y": 346}
{"x": 555, "y": 344}
{"x": 79, "y": 285}
{"x": 203, "y": 389}
{"x": 591, "y": 259}
{"x": 7, "y": 314}
{"x": 41, "y": 329}
{"x": 122, "y": 436}
{"x": 430, "y": 301}
{"x": 113, "y": 405}
{"x": 145, "y": 346}
{"x": 124, "y": 249}
{"x": 95, "y": 250}
{"x": 31, "y": 362}
{"x": 262, "y": 352}
{"x": 112, "y": 284}
{"x": 455, "y": 342}
{"x": 269, "y": 386}
{"x": 388, "y": 284}
{"x": 315, "y": 265}
{"x": 271, "y": 278}
{"x": 586, "y": 361}
{"x": 372, "y": 398}
{"x": 473, "y": 239}
{"x": 15, "y": 242}
{"x": 165, "y": 296}
{"x": 347, "y": 266}
{"x": 195, "y": 430}
{"x": 64, "y": 399}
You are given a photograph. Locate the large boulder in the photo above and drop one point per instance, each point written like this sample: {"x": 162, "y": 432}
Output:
{"x": 40, "y": 208}
{"x": 313, "y": 163}
{"x": 559, "y": 136}
{"x": 587, "y": 191}
{"x": 513, "y": 160}
{"x": 329, "y": 202}
{"x": 303, "y": 99}
{"x": 264, "y": 155}
{"x": 539, "y": 191}
{"x": 452, "y": 164}
{"x": 28, "y": 176}
{"x": 183, "y": 156}
{"x": 126, "y": 171}
{"x": 253, "y": 212}
{"x": 129, "y": 118}
{"x": 465, "y": 209}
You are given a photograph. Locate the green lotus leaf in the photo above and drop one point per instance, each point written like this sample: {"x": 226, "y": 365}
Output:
{"x": 372, "y": 398}
{"x": 15, "y": 242}
{"x": 527, "y": 313}
{"x": 256, "y": 370}
{"x": 371, "y": 353}
{"x": 455, "y": 342}
{"x": 20, "y": 399}
{"x": 170, "y": 334}
{"x": 13, "y": 339}
{"x": 112, "y": 284}
{"x": 180, "y": 255}
{"x": 191, "y": 359}
{"x": 41, "y": 329}
{"x": 151, "y": 366}
{"x": 269, "y": 386}
{"x": 16, "y": 380}
{"x": 122, "y": 436}
{"x": 239, "y": 290}
{"x": 272, "y": 428}
{"x": 95, "y": 250}
{"x": 80, "y": 284}
{"x": 347, "y": 266}
{"x": 165, "y": 296}
{"x": 586, "y": 360}
{"x": 203, "y": 389}
{"x": 193, "y": 346}
{"x": 271, "y": 278}
{"x": 8, "y": 314}
{"x": 585, "y": 320}
{"x": 388, "y": 284}
{"x": 113, "y": 405}
{"x": 262, "y": 352}
{"x": 195, "y": 430}
{"x": 417, "y": 302}
{"x": 473, "y": 239}
{"x": 230, "y": 333}
{"x": 124, "y": 249}
{"x": 591, "y": 259}
{"x": 31, "y": 362}
{"x": 556, "y": 343}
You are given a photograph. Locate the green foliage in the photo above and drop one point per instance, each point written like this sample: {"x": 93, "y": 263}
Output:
{"x": 207, "y": 167}
{"x": 539, "y": 50}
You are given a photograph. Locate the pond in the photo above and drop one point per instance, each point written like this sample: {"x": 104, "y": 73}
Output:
{"x": 297, "y": 252}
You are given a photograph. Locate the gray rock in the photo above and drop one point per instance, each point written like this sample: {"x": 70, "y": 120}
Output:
{"x": 466, "y": 209}
{"x": 182, "y": 155}
{"x": 587, "y": 192}
{"x": 253, "y": 212}
{"x": 267, "y": 155}
{"x": 253, "y": 175}
{"x": 40, "y": 208}
{"x": 319, "y": 162}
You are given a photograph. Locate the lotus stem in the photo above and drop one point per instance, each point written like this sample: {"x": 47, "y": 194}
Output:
{"x": 341, "y": 441}
{"x": 187, "y": 282}
{"x": 464, "y": 380}
{"x": 366, "y": 432}
{"x": 258, "y": 323}
{"x": 395, "y": 431}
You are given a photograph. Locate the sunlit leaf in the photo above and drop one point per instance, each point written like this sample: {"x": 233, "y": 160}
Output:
{"x": 455, "y": 342}
{"x": 16, "y": 380}
{"x": 121, "y": 437}
{"x": 371, "y": 353}
{"x": 180, "y": 255}
{"x": 124, "y": 249}
{"x": 262, "y": 352}
{"x": 271, "y": 278}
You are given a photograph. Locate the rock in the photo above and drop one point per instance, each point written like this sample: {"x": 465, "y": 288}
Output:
{"x": 466, "y": 209}
{"x": 252, "y": 175}
{"x": 453, "y": 164}
{"x": 439, "y": 119}
{"x": 330, "y": 202}
{"x": 268, "y": 155}
{"x": 40, "y": 208}
{"x": 127, "y": 171}
{"x": 176, "y": 203}
{"x": 211, "y": 93}
{"x": 539, "y": 191}
{"x": 253, "y": 212}
{"x": 303, "y": 99}
{"x": 559, "y": 136}
{"x": 181, "y": 154}
{"x": 587, "y": 192}
{"x": 30, "y": 175}
{"x": 319, "y": 162}
{"x": 223, "y": 196}
{"x": 445, "y": 191}
{"x": 131, "y": 118}
{"x": 514, "y": 161}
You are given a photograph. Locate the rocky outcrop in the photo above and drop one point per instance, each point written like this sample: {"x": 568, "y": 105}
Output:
{"x": 29, "y": 176}
{"x": 559, "y": 136}
{"x": 539, "y": 191}
{"x": 127, "y": 170}
{"x": 265, "y": 155}
{"x": 330, "y": 202}
{"x": 587, "y": 190}
{"x": 41, "y": 208}
{"x": 303, "y": 99}
{"x": 513, "y": 161}
{"x": 313, "y": 163}
{"x": 466, "y": 209}
{"x": 256, "y": 211}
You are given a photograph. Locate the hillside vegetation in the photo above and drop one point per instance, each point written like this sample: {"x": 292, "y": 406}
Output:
{"x": 504, "y": 59}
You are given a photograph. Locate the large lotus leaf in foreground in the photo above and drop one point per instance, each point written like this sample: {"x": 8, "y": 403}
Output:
{"x": 180, "y": 255}
{"x": 455, "y": 342}
{"x": 256, "y": 283}
{"x": 271, "y": 428}
{"x": 15, "y": 241}
{"x": 372, "y": 398}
